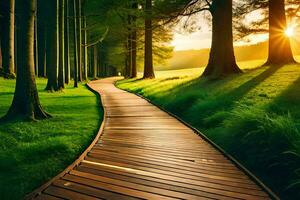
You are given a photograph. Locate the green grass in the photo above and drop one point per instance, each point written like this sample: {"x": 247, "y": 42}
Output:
{"x": 254, "y": 116}
{"x": 34, "y": 152}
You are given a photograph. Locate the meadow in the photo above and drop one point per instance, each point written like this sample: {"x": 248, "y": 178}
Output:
{"x": 33, "y": 152}
{"x": 254, "y": 116}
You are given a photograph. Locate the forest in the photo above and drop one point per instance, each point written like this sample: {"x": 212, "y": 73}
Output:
{"x": 66, "y": 66}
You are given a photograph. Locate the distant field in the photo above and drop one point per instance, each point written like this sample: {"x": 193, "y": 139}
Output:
{"x": 199, "y": 58}
{"x": 255, "y": 116}
{"x": 34, "y": 152}
{"x": 190, "y": 72}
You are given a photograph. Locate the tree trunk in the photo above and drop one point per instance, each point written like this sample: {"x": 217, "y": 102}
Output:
{"x": 11, "y": 48}
{"x": 8, "y": 38}
{"x": 85, "y": 49}
{"x": 95, "y": 62}
{"x": 67, "y": 42}
{"x": 99, "y": 61}
{"x": 279, "y": 44}
{"x": 61, "y": 67}
{"x": 52, "y": 47}
{"x": 129, "y": 48}
{"x": 36, "y": 44}
{"x": 18, "y": 36}
{"x": 134, "y": 43}
{"x": 126, "y": 61}
{"x": 148, "y": 60}
{"x": 91, "y": 62}
{"x": 1, "y": 69}
{"x": 75, "y": 44}
{"x": 222, "y": 60}
{"x": 41, "y": 37}
{"x": 3, "y": 34}
{"x": 79, "y": 40}
{"x": 26, "y": 100}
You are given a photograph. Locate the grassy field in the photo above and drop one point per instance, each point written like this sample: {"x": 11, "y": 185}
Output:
{"x": 33, "y": 152}
{"x": 254, "y": 116}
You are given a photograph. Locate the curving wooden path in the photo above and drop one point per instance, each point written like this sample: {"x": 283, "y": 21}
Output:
{"x": 144, "y": 153}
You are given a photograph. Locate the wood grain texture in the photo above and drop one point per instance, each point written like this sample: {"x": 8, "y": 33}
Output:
{"x": 144, "y": 153}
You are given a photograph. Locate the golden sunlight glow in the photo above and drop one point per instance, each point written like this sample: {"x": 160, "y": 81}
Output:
{"x": 289, "y": 32}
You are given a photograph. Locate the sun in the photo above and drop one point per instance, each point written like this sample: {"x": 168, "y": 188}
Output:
{"x": 289, "y": 32}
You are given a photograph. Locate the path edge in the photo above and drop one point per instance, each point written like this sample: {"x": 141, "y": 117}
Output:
{"x": 40, "y": 189}
{"x": 265, "y": 188}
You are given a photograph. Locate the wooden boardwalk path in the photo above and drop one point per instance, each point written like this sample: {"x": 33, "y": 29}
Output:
{"x": 144, "y": 153}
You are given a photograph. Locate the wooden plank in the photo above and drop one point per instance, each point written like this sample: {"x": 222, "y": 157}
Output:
{"x": 180, "y": 181}
{"x": 99, "y": 193}
{"x": 181, "y": 164}
{"x": 179, "y": 160}
{"x": 162, "y": 147}
{"x": 67, "y": 194}
{"x": 169, "y": 184}
{"x": 194, "y": 158}
{"x": 141, "y": 187}
{"x": 97, "y": 183}
{"x": 157, "y": 190}
{"x": 169, "y": 168}
{"x": 191, "y": 178}
{"x": 47, "y": 197}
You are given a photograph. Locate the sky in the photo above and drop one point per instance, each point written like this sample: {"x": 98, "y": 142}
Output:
{"x": 197, "y": 40}
{"x": 201, "y": 38}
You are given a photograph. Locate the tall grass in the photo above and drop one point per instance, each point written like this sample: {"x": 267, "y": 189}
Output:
{"x": 264, "y": 142}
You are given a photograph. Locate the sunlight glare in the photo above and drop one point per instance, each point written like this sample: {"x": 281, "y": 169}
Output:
{"x": 289, "y": 32}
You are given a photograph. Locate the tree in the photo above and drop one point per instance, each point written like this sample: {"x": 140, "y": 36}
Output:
{"x": 52, "y": 46}
{"x": 148, "y": 60}
{"x": 134, "y": 43}
{"x": 79, "y": 39}
{"x": 95, "y": 62}
{"x": 221, "y": 60}
{"x": 67, "y": 42}
{"x": 75, "y": 43}
{"x": 280, "y": 51}
{"x": 1, "y": 69}
{"x": 8, "y": 37}
{"x": 41, "y": 37}
{"x": 273, "y": 22}
{"x": 26, "y": 102}
{"x": 84, "y": 45}
{"x": 36, "y": 44}
{"x": 128, "y": 68}
{"x": 124, "y": 20}
{"x": 61, "y": 68}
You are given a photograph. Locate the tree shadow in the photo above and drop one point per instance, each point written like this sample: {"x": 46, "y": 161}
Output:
{"x": 245, "y": 88}
{"x": 200, "y": 96}
{"x": 288, "y": 101}
{"x": 5, "y": 119}
{"x": 6, "y": 93}
{"x": 205, "y": 82}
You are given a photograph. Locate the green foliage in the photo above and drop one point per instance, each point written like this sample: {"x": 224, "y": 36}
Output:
{"x": 33, "y": 152}
{"x": 254, "y": 116}
{"x": 114, "y": 15}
